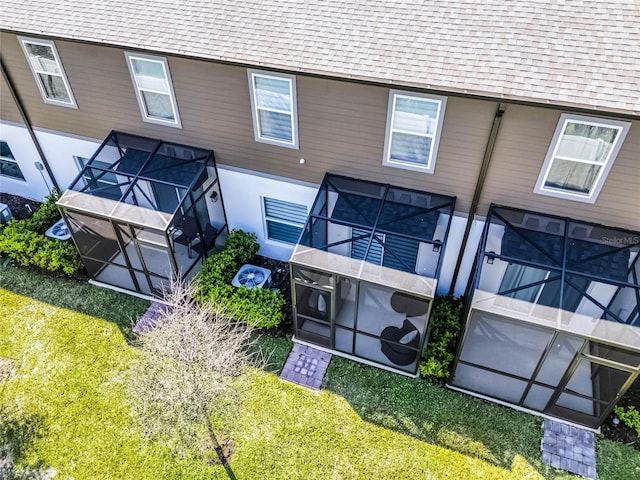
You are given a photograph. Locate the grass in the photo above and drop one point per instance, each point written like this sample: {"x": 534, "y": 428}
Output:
{"x": 80, "y": 297}
{"x": 65, "y": 407}
{"x": 616, "y": 461}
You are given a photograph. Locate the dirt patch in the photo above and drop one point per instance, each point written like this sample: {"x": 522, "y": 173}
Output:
{"x": 21, "y": 207}
{"x": 6, "y": 368}
{"x": 227, "y": 444}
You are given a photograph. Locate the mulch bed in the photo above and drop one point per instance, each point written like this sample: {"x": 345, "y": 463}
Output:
{"x": 622, "y": 433}
{"x": 21, "y": 207}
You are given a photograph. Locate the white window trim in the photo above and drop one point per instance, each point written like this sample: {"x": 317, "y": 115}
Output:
{"x": 176, "y": 123}
{"x": 431, "y": 164}
{"x": 565, "y": 118}
{"x": 48, "y": 43}
{"x": 251, "y": 74}
{"x": 266, "y": 218}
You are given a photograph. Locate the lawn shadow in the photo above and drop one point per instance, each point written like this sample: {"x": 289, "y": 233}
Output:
{"x": 79, "y": 296}
{"x": 439, "y": 416}
{"x": 270, "y": 352}
{"x": 17, "y": 434}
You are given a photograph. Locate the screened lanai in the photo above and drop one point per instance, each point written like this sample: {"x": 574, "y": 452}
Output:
{"x": 365, "y": 270}
{"x": 553, "y": 323}
{"x": 143, "y": 211}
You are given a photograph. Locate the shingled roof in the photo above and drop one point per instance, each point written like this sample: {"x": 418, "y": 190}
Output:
{"x": 578, "y": 53}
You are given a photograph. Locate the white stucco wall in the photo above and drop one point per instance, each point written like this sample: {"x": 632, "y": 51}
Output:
{"x": 454, "y": 242}
{"x": 24, "y": 151}
{"x": 243, "y": 191}
{"x": 59, "y": 149}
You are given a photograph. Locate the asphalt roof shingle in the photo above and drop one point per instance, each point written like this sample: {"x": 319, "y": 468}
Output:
{"x": 574, "y": 52}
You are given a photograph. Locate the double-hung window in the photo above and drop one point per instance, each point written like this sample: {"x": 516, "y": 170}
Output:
{"x": 414, "y": 123}
{"x": 273, "y": 107}
{"x": 8, "y": 165}
{"x": 154, "y": 89}
{"x": 284, "y": 220}
{"x": 580, "y": 156}
{"x": 47, "y": 70}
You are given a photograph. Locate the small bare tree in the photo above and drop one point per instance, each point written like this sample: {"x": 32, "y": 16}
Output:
{"x": 185, "y": 377}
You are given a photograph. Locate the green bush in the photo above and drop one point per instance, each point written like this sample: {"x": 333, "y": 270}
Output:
{"x": 24, "y": 241}
{"x": 46, "y": 215}
{"x": 244, "y": 246}
{"x": 258, "y": 307}
{"x": 630, "y": 416}
{"x": 219, "y": 268}
{"x": 445, "y": 327}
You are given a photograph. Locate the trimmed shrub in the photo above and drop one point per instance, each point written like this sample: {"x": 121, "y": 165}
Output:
{"x": 244, "y": 246}
{"x": 445, "y": 329}
{"x": 630, "y": 416}
{"x": 258, "y": 307}
{"x": 219, "y": 268}
{"x": 46, "y": 215}
{"x": 24, "y": 241}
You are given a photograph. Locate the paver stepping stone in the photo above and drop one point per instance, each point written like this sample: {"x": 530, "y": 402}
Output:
{"x": 569, "y": 448}
{"x": 306, "y": 366}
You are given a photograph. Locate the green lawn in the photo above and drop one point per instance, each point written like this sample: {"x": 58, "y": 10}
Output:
{"x": 65, "y": 407}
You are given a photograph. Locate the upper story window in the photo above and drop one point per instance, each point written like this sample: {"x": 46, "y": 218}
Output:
{"x": 154, "y": 89}
{"x": 273, "y": 107}
{"x": 580, "y": 156}
{"x": 8, "y": 164}
{"x": 414, "y": 123}
{"x": 284, "y": 220}
{"x": 46, "y": 67}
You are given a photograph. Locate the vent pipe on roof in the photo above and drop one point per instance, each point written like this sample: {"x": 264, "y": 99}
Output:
{"x": 473, "y": 210}
{"x": 27, "y": 124}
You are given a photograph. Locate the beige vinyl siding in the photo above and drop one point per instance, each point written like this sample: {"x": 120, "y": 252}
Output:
{"x": 519, "y": 153}
{"x": 341, "y": 130}
{"x": 8, "y": 109}
{"x": 341, "y": 124}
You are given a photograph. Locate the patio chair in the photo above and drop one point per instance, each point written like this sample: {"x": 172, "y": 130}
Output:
{"x": 408, "y": 304}
{"x": 186, "y": 231}
{"x": 400, "y": 344}
{"x": 201, "y": 245}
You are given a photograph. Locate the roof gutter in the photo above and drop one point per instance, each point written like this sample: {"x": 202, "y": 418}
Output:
{"x": 27, "y": 123}
{"x": 484, "y": 169}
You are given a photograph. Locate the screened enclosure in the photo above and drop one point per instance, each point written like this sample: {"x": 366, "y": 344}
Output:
{"x": 553, "y": 322}
{"x": 143, "y": 210}
{"x": 365, "y": 270}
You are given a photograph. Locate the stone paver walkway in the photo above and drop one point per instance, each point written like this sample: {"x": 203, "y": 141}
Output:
{"x": 570, "y": 448}
{"x": 306, "y": 366}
